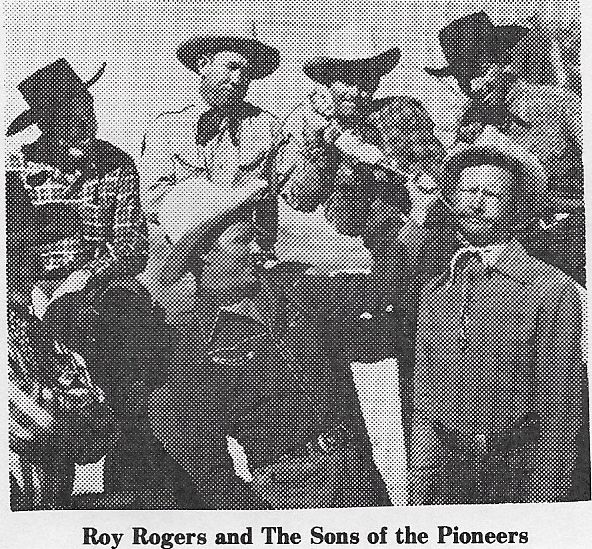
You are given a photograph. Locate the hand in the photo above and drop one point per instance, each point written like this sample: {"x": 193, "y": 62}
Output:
{"x": 423, "y": 194}
{"x": 76, "y": 282}
{"x": 30, "y": 426}
{"x": 319, "y": 118}
{"x": 351, "y": 145}
{"x": 322, "y": 102}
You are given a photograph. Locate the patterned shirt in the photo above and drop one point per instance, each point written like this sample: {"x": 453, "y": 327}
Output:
{"x": 104, "y": 191}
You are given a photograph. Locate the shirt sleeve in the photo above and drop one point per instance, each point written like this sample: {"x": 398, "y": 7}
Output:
{"x": 127, "y": 251}
{"x": 157, "y": 168}
{"x": 560, "y": 378}
{"x": 572, "y": 107}
{"x": 304, "y": 168}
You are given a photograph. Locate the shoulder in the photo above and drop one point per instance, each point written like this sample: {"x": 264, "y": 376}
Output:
{"x": 549, "y": 280}
{"x": 112, "y": 157}
{"x": 168, "y": 123}
{"x": 546, "y": 96}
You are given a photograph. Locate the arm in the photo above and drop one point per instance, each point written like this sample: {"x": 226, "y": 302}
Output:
{"x": 560, "y": 374}
{"x": 157, "y": 169}
{"x": 128, "y": 249}
{"x": 306, "y": 161}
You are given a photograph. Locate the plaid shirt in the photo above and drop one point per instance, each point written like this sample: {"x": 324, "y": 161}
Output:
{"x": 106, "y": 194}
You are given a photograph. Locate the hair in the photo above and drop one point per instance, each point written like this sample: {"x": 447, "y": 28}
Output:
{"x": 483, "y": 157}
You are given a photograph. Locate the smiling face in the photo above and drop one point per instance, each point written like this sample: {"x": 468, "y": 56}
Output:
{"x": 352, "y": 99}
{"x": 482, "y": 203}
{"x": 229, "y": 271}
{"x": 224, "y": 79}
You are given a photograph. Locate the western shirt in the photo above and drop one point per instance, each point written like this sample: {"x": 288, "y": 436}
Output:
{"x": 496, "y": 343}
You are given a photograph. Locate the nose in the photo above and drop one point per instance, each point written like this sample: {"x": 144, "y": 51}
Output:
{"x": 477, "y": 200}
{"x": 236, "y": 77}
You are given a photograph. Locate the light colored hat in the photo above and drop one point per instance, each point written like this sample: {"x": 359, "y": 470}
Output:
{"x": 351, "y": 54}
{"x": 494, "y": 147}
{"x": 195, "y": 212}
{"x": 238, "y": 36}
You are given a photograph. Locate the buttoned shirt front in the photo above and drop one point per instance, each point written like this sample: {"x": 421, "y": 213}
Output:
{"x": 500, "y": 342}
{"x": 173, "y": 152}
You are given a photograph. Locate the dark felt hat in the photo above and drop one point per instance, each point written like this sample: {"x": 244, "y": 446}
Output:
{"x": 47, "y": 89}
{"x": 263, "y": 59}
{"x": 326, "y": 70}
{"x": 472, "y": 40}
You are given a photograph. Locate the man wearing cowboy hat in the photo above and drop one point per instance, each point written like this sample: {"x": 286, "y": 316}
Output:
{"x": 220, "y": 137}
{"x": 68, "y": 164}
{"x": 253, "y": 409}
{"x": 341, "y": 209}
{"x": 331, "y": 186}
{"x": 498, "y": 378}
{"x": 546, "y": 120}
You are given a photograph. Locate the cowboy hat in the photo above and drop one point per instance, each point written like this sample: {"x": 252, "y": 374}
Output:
{"x": 493, "y": 147}
{"x": 472, "y": 40}
{"x": 263, "y": 59}
{"x": 47, "y": 89}
{"x": 351, "y": 56}
{"x": 193, "y": 215}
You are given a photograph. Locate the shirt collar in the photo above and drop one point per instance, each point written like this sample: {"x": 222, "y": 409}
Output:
{"x": 509, "y": 258}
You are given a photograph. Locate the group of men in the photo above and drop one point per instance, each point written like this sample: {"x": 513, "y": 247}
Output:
{"x": 185, "y": 334}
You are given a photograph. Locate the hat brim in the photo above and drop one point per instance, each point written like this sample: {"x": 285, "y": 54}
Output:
{"x": 503, "y": 40}
{"x": 532, "y": 178}
{"x": 263, "y": 59}
{"x": 194, "y": 214}
{"x": 23, "y": 121}
{"x": 327, "y": 70}
{"x": 31, "y": 116}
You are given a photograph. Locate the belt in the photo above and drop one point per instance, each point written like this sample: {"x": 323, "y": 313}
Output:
{"x": 481, "y": 445}
{"x": 328, "y": 442}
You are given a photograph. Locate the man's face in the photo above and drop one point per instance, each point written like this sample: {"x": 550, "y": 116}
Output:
{"x": 224, "y": 79}
{"x": 75, "y": 123}
{"x": 229, "y": 268}
{"x": 486, "y": 86}
{"x": 481, "y": 203}
{"x": 352, "y": 99}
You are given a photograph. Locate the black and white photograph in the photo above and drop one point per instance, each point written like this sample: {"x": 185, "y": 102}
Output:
{"x": 294, "y": 256}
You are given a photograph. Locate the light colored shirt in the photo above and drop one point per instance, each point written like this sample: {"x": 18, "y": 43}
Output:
{"x": 172, "y": 154}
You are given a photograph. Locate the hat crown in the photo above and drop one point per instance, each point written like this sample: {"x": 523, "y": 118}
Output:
{"x": 51, "y": 85}
{"x": 472, "y": 35}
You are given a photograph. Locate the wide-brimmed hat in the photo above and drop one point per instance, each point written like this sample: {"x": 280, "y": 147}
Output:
{"x": 263, "y": 59}
{"x": 494, "y": 147}
{"x": 195, "y": 213}
{"x": 472, "y": 40}
{"x": 48, "y": 89}
{"x": 351, "y": 55}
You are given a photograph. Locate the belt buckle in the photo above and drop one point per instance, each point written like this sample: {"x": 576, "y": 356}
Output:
{"x": 330, "y": 441}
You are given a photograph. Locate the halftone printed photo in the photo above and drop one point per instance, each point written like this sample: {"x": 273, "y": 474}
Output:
{"x": 294, "y": 257}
